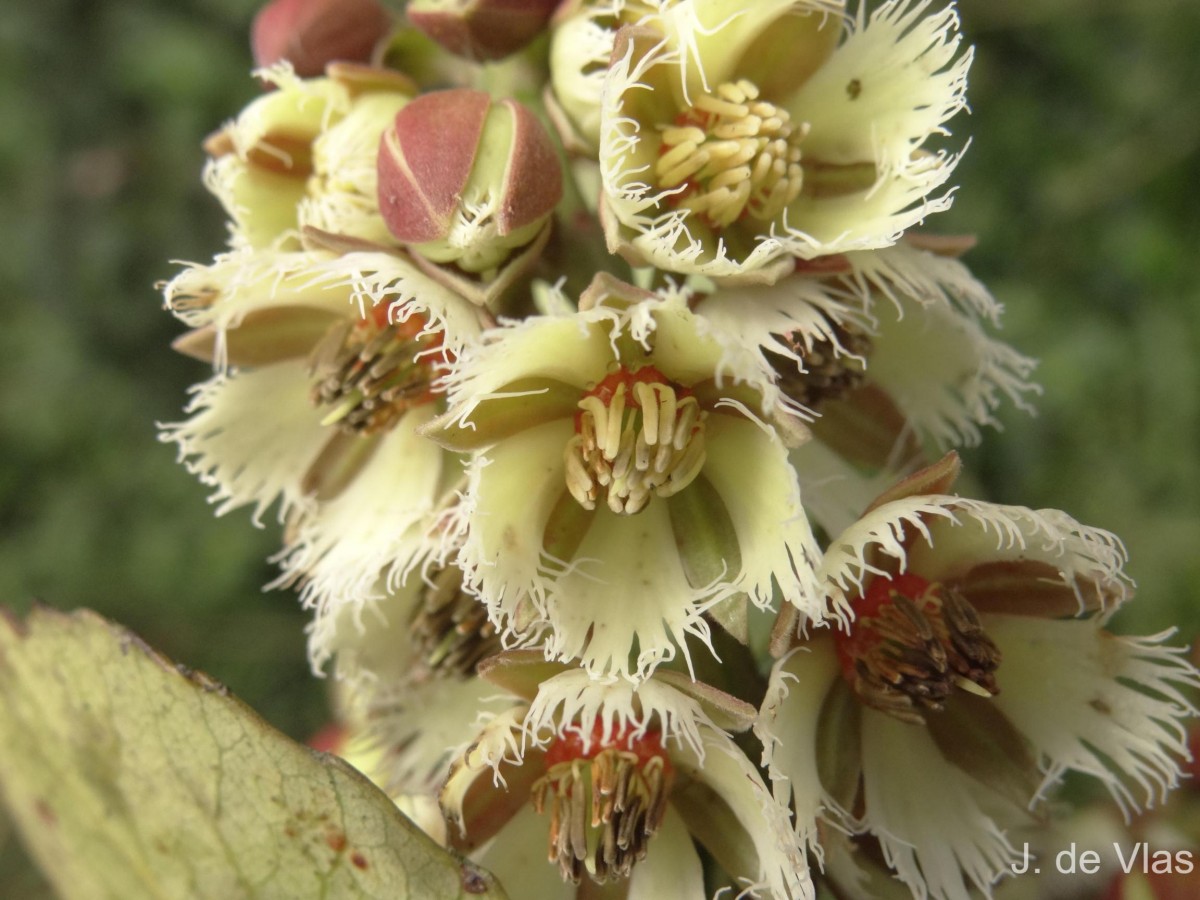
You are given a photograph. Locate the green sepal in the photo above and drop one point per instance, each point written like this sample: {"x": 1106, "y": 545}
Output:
{"x": 705, "y": 535}
{"x": 977, "y": 737}
{"x": 839, "y": 745}
{"x": 521, "y": 404}
{"x": 726, "y": 711}
{"x": 264, "y": 336}
{"x": 338, "y": 464}
{"x": 520, "y": 672}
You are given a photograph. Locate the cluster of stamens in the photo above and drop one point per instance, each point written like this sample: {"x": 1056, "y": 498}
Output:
{"x": 733, "y": 154}
{"x": 450, "y": 627}
{"x": 911, "y": 644}
{"x": 368, "y": 372}
{"x": 831, "y": 369}
{"x": 605, "y": 803}
{"x": 637, "y": 435}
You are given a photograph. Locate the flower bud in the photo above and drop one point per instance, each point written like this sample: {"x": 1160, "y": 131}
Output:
{"x": 481, "y": 29}
{"x": 311, "y": 33}
{"x": 465, "y": 179}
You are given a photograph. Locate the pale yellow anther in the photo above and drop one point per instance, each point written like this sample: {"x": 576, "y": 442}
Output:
{"x": 676, "y": 167}
{"x": 649, "y": 404}
{"x": 730, "y": 178}
{"x": 744, "y": 127}
{"x": 682, "y": 134}
{"x": 718, "y": 107}
{"x": 731, "y": 92}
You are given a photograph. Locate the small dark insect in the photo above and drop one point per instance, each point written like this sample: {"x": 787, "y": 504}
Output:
{"x": 854, "y": 88}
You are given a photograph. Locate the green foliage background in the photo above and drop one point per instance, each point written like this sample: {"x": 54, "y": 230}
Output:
{"x": 1079, "y": 184}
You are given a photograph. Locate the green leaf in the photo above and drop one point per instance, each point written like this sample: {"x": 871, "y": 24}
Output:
{"x": 130, "y": 777}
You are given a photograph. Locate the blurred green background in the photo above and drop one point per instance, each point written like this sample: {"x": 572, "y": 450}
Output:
{"x": 1079, "y": 183}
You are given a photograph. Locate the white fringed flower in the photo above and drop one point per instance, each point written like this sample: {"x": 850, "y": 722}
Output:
{"x": 347, "y": 371}
{"x": 630, "y": 478}
{"x": 735, "y": 139}
{"x": 304, "y": 155}
{"x": 628, "y": 777}
{"x": 886, "y": 351}
{"x": 405, "y": 671}
{"x": 975, "y": 672}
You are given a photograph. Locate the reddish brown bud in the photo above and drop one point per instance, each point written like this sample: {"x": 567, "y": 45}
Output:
{"x": 478, "y": 177}
{"x": 312, "y": 33}
{"x": 481, "y": 29}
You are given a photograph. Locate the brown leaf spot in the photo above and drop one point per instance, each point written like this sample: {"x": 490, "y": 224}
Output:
{"x": 360, "y": 861}
{"x": 44, "y": 812}
{"x": 336, "y": 840}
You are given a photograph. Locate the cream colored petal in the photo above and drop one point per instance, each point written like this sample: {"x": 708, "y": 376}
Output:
{"x": 517, "y": 857}
{"x": 787, "y": 728}
{"x": 948, "y": 535}
{"x": 753, "y": 819}
{"x": 754, "y": 317}
{"x": 944, "y": 372}
{"x": 368, "y": 636}
{"x": 249, "y": 457}
{"x": 989, "y": 532}
{"x": 380, "y": 523}
{"x": 624, "y": 591}
{"x": 574, "y": 702}
{"x": 421, "y": 727}
{"x": 573, "y": 350}
{"x": 891, "y": 85}
{"x": 372, "y": 279}
{"x": 262, "y": 204}
{"x": 720, "y": 39}
{"x": 342, "y": 192}
{"x": 748, "y": 466}
{"x": 748, "y": 321}
{"x": 223, "y": 293}
{"x": 845, "y": 566}
{"x": 510, "y": 493}
{"x": 299, "y": 107}
{"x": 672, "y": 869}
{"x": 930, "y": 817}
{"x": 904, "y": 273}
{"x": 910, "y": 81}
{"x": 580, "y": 48}
{"x": 681, "y": 349}
{"x": 1089, "y": 701}
{"x": 835, "y": 491}
{"x": 497, "y": 742}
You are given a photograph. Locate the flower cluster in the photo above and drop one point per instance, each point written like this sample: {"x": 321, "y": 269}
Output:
{"x": 607, "y": 394}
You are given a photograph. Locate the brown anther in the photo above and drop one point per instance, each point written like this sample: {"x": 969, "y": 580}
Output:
{"x": 912, "y": 643}
{"x": 450, "y": 628}
{"x": 612, "y": 800}
{"x": 831, "y": 369}
{"x": 367, "y": 373}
